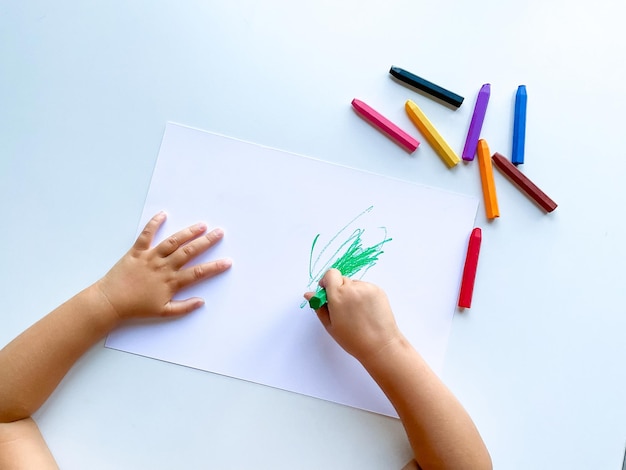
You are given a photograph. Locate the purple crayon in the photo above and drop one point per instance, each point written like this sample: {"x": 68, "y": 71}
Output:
{"x": 476, "y": 124}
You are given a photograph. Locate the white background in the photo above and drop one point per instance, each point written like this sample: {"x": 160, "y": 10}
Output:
{"x": 85, "y": 91}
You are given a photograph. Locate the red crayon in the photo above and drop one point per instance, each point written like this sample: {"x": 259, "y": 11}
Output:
{"x": 379, "y": 121}
{"x": 469, "y": 270}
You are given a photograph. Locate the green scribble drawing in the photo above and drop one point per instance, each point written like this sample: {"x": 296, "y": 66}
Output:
{"x": 350, "y": 257}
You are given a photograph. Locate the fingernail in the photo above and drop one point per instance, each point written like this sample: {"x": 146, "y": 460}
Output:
{"x": 201, "y": 226}
{"x": 226, "y": 262}
{"x": 218, "y": 232}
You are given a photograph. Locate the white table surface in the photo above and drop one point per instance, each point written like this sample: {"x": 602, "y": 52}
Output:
{"x": 85, "y": 91}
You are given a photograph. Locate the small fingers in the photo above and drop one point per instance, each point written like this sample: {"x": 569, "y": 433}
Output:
{"x": 324, "y": 315}
{"x": 173, "y": 242}
{"x": 176, "y": 308}
{"x": 195, "y": 247}
{"x": 322, "y": 312}
{"x": 144, "y": 241}
{"x": 203, "y": 271}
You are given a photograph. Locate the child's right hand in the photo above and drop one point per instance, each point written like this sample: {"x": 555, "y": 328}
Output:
{"x": 144, "y": 281}
{"x": 358, "y": 315}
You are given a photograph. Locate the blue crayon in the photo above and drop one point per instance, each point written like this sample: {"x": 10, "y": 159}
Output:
{"x": 519, "y": 126}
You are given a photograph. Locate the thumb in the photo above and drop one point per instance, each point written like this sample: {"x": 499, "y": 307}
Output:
{"x": 332, "y": 279}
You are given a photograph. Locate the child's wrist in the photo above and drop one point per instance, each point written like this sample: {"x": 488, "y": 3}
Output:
{"x": 380, "y": 354}
{"x": 105, "y": 314}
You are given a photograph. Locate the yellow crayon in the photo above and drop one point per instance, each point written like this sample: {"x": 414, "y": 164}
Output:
{"x": 486, "y": 178}
{"x": 430, "y": 133}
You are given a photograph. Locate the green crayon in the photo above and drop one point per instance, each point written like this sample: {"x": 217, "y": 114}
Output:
{"x": 318, "y": 300}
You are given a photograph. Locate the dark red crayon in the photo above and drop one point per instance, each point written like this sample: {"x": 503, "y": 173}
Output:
{"x": 521, "y": 180}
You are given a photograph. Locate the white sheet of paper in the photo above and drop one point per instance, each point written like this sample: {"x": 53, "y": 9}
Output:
{"x": 271, "y": 204}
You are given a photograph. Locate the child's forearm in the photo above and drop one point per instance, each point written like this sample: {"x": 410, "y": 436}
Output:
{"x": 33, "y": 364}
{"x": 439, "y": 429}
{"x": 23, "y": 446}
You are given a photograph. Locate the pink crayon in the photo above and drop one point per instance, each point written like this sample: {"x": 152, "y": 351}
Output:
{"x": 476, "y": 124}
{"x": 385, "y": 125}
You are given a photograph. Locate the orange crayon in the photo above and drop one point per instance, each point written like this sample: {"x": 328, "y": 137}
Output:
{"x": 487, "y": 180}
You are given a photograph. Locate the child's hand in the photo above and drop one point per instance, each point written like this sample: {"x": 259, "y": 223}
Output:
{"x": 357, "y": 315}
{"x": 144, "y": 281}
